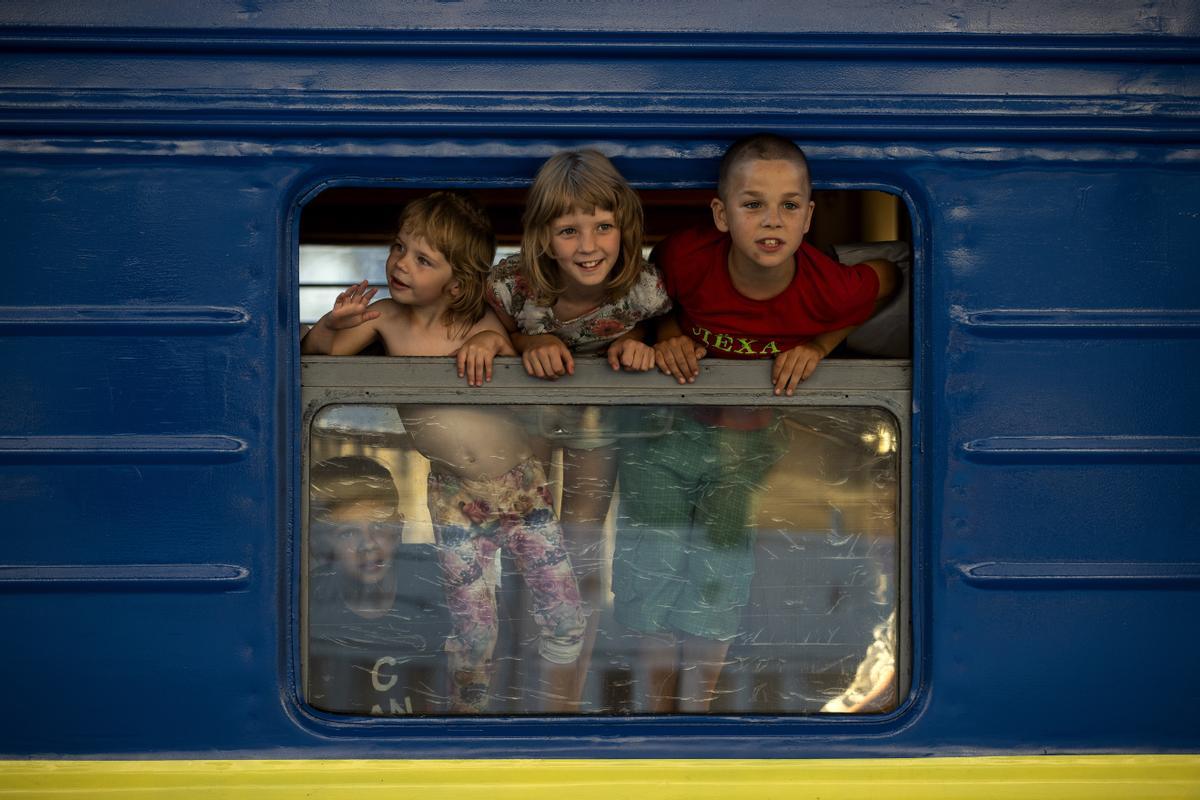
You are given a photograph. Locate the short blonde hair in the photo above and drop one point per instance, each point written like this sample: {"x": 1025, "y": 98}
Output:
{"x": 345, "y": 480}
{"x": 762, "y": 147}
{"x": 584, "y": 180}
{"x": 341, "y": 482}
{"x": 457, "y": 226}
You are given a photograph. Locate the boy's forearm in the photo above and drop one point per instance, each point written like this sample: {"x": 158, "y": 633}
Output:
{"x": 886, "y": 272}
{"x": 830, "y": 339}
{"x": 667, "y": 328}
{"x": 887, "y": 286}
{"x": 889, "y": 277}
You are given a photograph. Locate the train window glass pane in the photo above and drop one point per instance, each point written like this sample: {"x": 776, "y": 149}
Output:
{"x": 747, "y": 561}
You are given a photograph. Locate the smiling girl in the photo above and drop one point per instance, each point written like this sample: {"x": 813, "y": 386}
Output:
{"x": 579, "y": 286}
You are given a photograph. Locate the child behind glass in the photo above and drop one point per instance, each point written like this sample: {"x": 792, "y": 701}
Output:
{"x": 486, "y": 491}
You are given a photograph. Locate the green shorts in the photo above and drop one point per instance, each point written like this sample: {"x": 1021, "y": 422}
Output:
{"x": 684, "y": 553}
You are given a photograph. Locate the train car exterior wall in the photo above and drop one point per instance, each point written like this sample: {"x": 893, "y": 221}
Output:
{"x": 154, "y": 160}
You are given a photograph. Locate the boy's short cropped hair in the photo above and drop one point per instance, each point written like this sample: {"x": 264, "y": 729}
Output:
{"x": 584, "y": 180}
{"x": 346, "y": 480}
{"x": 761, "y": 147}
{"x": 458, "y": 227}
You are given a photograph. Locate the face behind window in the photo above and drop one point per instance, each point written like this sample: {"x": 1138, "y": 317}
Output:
{"x": 362, "y": 539}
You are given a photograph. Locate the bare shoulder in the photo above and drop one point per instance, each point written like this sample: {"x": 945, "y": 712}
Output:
{"x": 392, "y": 315}
{"x": 387, "y": 307}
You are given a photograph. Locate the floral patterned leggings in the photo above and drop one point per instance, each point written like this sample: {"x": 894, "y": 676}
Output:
{"x": 472, "y": 519}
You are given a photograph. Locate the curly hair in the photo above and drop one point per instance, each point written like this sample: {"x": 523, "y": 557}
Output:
{"x": 458, "y": 227}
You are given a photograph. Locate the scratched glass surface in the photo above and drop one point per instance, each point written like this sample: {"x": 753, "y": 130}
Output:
{"x": 615, "y": 560}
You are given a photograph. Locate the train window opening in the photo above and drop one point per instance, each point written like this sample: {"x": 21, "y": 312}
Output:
{"x": 749, "y": 559}
{"x": 444, "y": 583}
{"x": 345, "y": 233}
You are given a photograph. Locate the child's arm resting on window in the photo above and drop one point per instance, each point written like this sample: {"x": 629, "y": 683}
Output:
{"x": 477, "y": 353}
{"x": 676, "y": 354}
{"x": 544, "y": 355}
{"x": 342, "y": 330}
{"x": 797, "y": 364}
{"x": 889, "y": 277}
{"x": 630, "y": 351}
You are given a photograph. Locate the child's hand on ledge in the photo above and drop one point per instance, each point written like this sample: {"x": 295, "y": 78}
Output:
{"x": 632, "y": 354}
{"x": 546, "y": 356}
{"x": 476, "y": 355}
{"x": 794, "y": 366}
{"x": 679, "y": 357}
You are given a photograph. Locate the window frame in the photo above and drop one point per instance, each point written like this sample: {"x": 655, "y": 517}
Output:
{"x": 380, "y": 380}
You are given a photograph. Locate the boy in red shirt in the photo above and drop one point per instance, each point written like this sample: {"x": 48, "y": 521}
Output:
{"x": 750, "y": 288}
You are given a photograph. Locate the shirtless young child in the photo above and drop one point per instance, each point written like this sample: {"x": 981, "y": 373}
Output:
{"x": 486, "y": 491}
{"x": 436, "y": 270}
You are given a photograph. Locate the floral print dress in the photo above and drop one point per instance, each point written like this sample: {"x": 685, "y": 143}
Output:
{"x": 473, "y": 520}
{"x": 590, "y": 333}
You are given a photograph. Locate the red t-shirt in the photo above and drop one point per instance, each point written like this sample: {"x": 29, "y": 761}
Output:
{"x": 823, "y": 296}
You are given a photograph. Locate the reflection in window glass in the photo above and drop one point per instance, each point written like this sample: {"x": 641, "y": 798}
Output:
{"x": 617, "y": 559}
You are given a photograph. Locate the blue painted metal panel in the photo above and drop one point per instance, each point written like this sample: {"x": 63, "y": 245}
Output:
{"x": 151, "y": 161}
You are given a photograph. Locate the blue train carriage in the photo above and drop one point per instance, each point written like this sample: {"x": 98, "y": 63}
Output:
{"x": 975, "y": 564}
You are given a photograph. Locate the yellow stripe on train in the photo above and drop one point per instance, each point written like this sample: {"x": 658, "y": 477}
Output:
{"x": 1001, "y": 777}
